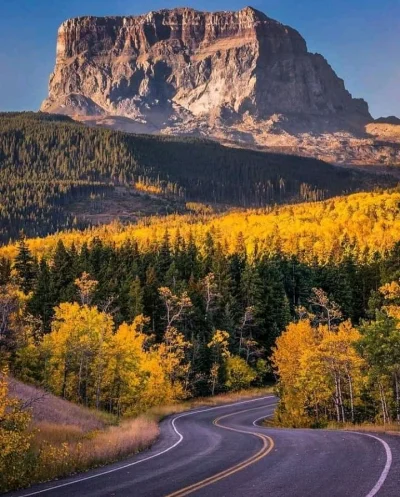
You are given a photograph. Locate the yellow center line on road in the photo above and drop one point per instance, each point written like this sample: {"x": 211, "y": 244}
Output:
{"x": 267, "y": 446}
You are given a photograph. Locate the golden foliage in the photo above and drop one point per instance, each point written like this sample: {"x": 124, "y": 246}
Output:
{"x": 321, "y": 230}
{"x": 174, "y": 363}
{"x": 87, "y": 362}
{"x": 320, "y": 373}
{"x": 199, "y": 208}
{"x": 148, "y": 188}
{"x": 239, "y": 373}
{"x": 220, "y": 344}
{"x": 391, "y": 295}
{"x": 76, "y": 350}
{"x": 86, "y": 287}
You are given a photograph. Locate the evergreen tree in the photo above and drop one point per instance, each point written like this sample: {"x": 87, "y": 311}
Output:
{"x": 25, "y": 266}
{"x": 136, "y": 296}
{"x": 164, "y": 257}
{"x": 63, "y": 275}
{"x": 151, "y": 300}
{"x": 272, "y": 309}
{"x": 42, "y": 301}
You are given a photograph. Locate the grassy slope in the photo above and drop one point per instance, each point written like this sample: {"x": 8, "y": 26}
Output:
{"x": 47, "y": 408}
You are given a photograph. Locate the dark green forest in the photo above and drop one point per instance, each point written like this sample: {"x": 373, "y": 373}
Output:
{"x": 252, "y": 296}
{"x": 49, "y": 162}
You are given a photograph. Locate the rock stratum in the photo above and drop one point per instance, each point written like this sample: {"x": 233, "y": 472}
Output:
{"x": 239, "y": 77}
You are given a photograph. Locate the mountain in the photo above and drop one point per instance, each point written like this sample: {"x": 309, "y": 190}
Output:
{"x": 238, "y": 77}
{"x": 179, "y": 61}
{"x": 388, "y": 120}
{"x": 58, "y": 174}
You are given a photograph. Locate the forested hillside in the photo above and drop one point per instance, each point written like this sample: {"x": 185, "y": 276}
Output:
{"x": 49, "y": 162}
{"x": 122, "y": 319}
{"x": 364, "y": 225}
{"x": 244, "y": 273}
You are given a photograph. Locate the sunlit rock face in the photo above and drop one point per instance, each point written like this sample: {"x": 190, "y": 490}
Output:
{"x": 238, "y": 77}
{"x": 191, "y": 63}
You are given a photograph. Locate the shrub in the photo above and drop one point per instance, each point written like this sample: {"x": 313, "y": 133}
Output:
{"x": 15, "y": 441}
{"x": 239, "y": 373}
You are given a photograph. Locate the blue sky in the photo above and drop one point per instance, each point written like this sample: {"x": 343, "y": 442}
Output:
{"x": 360, "y": 39}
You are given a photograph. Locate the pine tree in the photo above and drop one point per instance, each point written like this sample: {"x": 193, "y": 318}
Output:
{"x": 151, "y": 300}
{"x": 42, "y": 302}
{"x": 136, "y": 296}
{"x": 164, "y": 257}
{"x": 272, "y": 309}
{"x": 62, "y": 275}
{"x": 25, "y": 266}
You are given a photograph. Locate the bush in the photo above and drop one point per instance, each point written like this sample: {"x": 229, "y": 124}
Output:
{"x": 239, "y": 373}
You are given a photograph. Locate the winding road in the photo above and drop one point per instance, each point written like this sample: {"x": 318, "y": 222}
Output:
{"x": 222, "y": 451}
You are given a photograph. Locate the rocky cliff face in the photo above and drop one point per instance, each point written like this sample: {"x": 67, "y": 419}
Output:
{"x": 224, "y": 64}
{"x": 237, "y": 76}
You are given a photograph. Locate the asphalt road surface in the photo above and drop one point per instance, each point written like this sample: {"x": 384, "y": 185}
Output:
{"x": 222, "y": 451}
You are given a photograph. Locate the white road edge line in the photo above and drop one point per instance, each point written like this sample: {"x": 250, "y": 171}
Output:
{"x": 263, "y": 417}
{"x": 190, "y": 413}
{"x": 387, "y": 467}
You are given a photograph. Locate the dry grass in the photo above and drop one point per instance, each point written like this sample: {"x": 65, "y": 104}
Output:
{"x": 54, "y": 434}
{"x": 392, "y": 428}
{"x": 56, "y": 457}
{"x": 47, "y": 408}
{"x": 118, "y": 441}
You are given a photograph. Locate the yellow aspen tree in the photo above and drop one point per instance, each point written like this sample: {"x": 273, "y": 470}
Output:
{"x": 125, "y": 375}
{"x": 287, "y": 362}
{"x": 239, "y": 375}
{"x": 220, "y": 344}
{"x": 175, "y": 306}
{"x": 173, "y": 352}
{"x": 158, "y": 389}
{"x": 210, "y": 294}
{"x": 86, "y": 287}
{"x": 15, "y": 441}
{"x": 213, "y": 379}
{"x": 314, "y": 384}
{"x": 343, "y": 365}
{"x": 76, "y": 352}
{"x": 330, "y": 311}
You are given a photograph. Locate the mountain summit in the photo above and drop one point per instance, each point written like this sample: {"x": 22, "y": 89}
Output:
{"x": 235, "y": 76}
